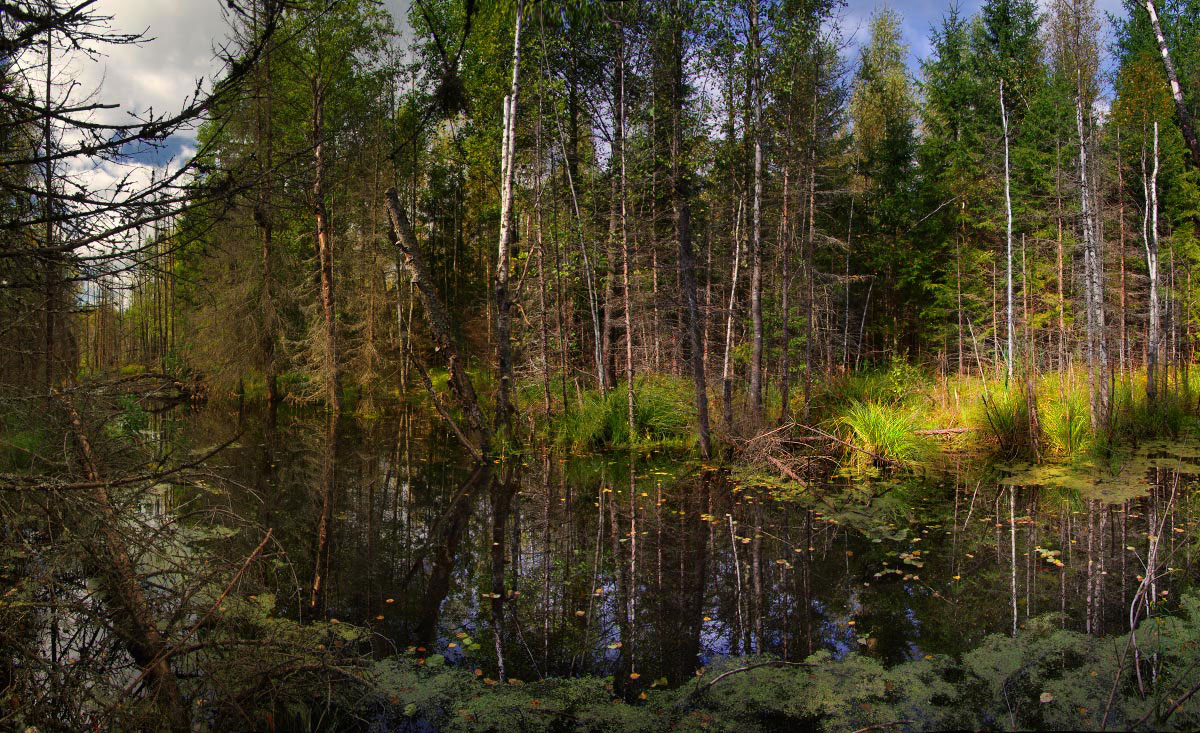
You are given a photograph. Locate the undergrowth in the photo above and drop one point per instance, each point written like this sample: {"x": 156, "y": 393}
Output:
{"x": 881, "y": 434}
{"x": 1046, "y": 678}
{"x": 663, "y": 413}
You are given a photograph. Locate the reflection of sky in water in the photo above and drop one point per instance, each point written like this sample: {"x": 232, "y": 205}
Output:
{"x": 807, "y": 594}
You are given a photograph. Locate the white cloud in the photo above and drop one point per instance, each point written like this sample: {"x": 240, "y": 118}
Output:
{"x": 180, "y": 50}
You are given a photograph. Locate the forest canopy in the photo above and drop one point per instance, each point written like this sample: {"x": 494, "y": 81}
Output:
{"x": 749, "y": 235}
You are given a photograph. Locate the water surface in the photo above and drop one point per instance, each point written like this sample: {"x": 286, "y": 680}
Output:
{"x": 652, "y": 564}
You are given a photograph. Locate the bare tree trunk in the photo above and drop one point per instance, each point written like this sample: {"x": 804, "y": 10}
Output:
{"x": 1150, "y": 241}
{"x": 785, "y": 381}
{"x": 846, "y": 314}
{"x": 1126, "y": 359}
{"x": 726, "y": 377}
{"x": 1094, "y": 276}
{"x": 332, "y": 375}
{"x": 958, "y": 294}
{"x": 503, "y": 301}
{"x": 1185, "y": 117}
{"x": 1062, "y": 320}
{"x": 687, "y": 267}
{"x": 809, "y": 266}
{"x": 1008, "y": 357}
{"x": 262, "y": 218}
{"x": 756, "y": 317}
{"x": 544, "y": 319}
{"x": 50, "y": 269}
{"x": 625, "y": 254}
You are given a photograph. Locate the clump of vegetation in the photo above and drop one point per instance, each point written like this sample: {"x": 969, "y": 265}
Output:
{"x": 1045, "y": 678}
{"x": 1136, "y": 418}
{"x": 1006, "y": 414}
{"x": 662, "y": 414}
{"x": 1066, "y": 424}
{"x": 23, "y": 439}
{"x": 900, "y": 382}
{"x": 882, "y": 434}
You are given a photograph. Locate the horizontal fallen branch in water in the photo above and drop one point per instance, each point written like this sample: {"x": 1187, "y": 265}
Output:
{"x": 944, "y": 431}
{"x": 789, "y": 473}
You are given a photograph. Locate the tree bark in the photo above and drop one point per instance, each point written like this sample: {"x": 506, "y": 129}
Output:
{"x": 135, "y": 622}
{"x": 1185, "y": 117}
{"x": 503, "y": 301}
{"x": 726, "y": 377}
{"x": 756, "y": 316}
{"x": 439, "y": 323}
{"x": 785, "y": 367}
{"x": 1150, "y": 241}
{"x": 683, "y": 235}
{"x": 330, "y": 367}
{"x": 626, "y": 256}
{"x": 1094, "y": 276}
{"x": 266, "y": 225}
{"x": 1008, "y": 357}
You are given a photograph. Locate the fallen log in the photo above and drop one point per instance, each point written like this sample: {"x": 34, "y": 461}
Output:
{"x": 787, "y": 471}
{"x": 135, "y": 621}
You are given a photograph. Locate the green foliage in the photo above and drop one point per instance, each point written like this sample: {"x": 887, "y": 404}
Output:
{"x": 23, "y": 439}
{"x": 1136, "y": 418}
{"x": 662, "y": 413}
{"x": 133, "y": 418}
{"x": 1066, "y": 424}
{"x": 1006, "y": 416}
{"x": 886, "y": 431}
{"x": 1046, "y": 678}
{"x": 901, "y": 381}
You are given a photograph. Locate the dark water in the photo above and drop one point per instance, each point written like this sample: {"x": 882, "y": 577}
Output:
{"x": 654, "y": 565}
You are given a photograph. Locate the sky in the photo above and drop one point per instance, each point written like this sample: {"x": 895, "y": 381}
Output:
{"x": 183, "y": 34}
{"x": 920, "y": 18}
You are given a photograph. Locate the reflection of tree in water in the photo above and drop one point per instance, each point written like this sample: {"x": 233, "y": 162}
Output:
{"x": 653, "y": 567}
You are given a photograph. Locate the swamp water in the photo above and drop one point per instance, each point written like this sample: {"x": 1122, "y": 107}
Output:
{"x": 654, "y": 566}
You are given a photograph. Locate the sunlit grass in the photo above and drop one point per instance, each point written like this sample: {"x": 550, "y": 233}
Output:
{"x": 662, "y": 413}
{"x": 885, "y": 431}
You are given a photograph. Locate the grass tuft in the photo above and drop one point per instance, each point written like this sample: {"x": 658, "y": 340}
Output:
{"x": 886, "y": 431}
{"x": 662, "y": 413}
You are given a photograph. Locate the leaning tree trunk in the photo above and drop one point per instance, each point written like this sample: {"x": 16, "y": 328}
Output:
{"x": 439, "y": 326}
{"x": 134, "y": 621}
{"x": 1185, "y": 117}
